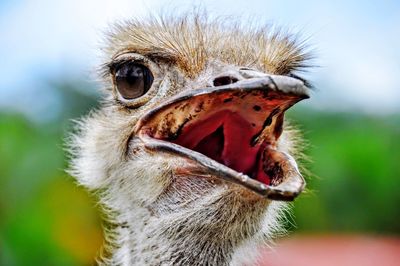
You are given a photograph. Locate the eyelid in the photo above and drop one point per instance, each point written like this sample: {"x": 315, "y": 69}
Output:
{"x": 114, "y": 65}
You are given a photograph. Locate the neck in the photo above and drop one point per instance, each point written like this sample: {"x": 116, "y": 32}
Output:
{"x": 190, "y": 239}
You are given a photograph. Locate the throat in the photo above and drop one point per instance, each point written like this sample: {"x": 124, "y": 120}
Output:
{"x": 165, "y": 233}
{"x": 226, "y": 137}
{"x": 170, "y": 246}
{"x": 212, "y": 145}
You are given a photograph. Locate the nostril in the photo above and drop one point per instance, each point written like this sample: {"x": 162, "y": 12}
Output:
{"x": 224, "y": 80}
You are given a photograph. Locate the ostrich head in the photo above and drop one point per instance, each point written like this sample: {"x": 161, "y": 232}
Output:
{"x": 189, "y": 154}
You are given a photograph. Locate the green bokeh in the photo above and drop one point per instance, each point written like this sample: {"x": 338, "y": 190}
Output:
{"x": 354, "y": 186}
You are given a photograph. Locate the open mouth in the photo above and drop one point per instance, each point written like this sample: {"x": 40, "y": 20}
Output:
{"x": 231, "y": 132}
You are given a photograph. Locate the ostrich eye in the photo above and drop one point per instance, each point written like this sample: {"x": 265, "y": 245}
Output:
{"x": 133, "y": 80}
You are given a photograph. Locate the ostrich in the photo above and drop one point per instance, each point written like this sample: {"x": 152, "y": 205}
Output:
{"x": 189, "y": 154}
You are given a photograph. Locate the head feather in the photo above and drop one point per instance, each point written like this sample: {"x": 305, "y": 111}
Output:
{"x": 192, "y": 40}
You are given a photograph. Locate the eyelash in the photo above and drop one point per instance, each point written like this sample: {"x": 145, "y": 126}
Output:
{"x": 116, "y": 64}
{"x": 109, "y": 68}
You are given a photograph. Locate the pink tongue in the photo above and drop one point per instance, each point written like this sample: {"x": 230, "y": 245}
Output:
{"x": 225, "y": 137}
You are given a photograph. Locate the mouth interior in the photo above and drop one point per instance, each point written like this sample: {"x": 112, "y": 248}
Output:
{"x": 230, "y": 132}
{"x": 226, "y": 137}
{"x": 236, "y": 128}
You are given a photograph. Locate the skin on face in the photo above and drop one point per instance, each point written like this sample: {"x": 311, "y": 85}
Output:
{"x": 189, "y": 151}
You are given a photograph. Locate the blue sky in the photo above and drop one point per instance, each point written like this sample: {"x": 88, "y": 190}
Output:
{"x": 357, "y": 43}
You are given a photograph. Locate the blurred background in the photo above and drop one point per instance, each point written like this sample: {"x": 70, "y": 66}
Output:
{"x": 48, "y": 52}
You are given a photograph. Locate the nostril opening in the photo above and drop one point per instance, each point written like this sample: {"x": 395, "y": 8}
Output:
{"x": 225, "y": 80}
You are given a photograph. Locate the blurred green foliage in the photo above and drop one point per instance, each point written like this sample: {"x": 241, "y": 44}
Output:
{"x": 355, "y": 181}
{"x": 45, "y": 219}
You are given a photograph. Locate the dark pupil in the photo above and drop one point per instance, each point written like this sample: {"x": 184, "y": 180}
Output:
{"x": 133, "y": 80}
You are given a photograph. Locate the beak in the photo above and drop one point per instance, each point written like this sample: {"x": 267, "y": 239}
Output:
{"x": 167, "y": 129}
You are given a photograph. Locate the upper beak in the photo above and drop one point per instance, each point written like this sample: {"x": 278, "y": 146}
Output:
{"x": 273, "y": 93}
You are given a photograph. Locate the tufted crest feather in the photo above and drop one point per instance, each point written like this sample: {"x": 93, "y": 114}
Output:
{"x": 191, "y": 40}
